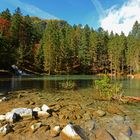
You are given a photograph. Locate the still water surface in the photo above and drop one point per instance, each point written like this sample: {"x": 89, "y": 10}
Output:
{"x": 131, "y": 87}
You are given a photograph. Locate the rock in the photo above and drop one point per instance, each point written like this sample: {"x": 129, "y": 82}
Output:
{"x": 2, "y": 117}
{"x": 6, "y": 129}
{"x": 37, "y": 109}
{"x": 124, "y": 129}
{"x": 32, "y": 103}
{"x": 115, "y": 110}
{"x": 55, "y": 131}
{"x": 12, "y": 117}
{"x": 70, "y": 133}
{"x": 27, "y": 102}
{"x": 45, "y": 108}
{"x": 90, "y": 125}
{"x": 23, "y": 112}
{"x": 19, "y": 96}
{"x": 118, "y": 119}
{"x": 43, "y": 114}
{"x": 35, "y": 126}
{"x": 100, "y": 113}
{"x": 3, "y": 99}
{"x": 122, "y": 136}
{"x": 102, "y": 134}
{"x": 86, "y": 116}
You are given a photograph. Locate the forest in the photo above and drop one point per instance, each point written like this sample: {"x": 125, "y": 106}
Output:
{"x": 56, "y": 47}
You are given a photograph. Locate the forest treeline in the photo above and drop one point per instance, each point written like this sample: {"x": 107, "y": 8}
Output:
{"x": 56, "y": 47}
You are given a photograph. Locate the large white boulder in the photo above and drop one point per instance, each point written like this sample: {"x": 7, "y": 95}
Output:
{"x": 68, "y": 132}
{"x": 12, "y": 117}
{"x": 45, "y": 108}
{"x": 23, "y": 112}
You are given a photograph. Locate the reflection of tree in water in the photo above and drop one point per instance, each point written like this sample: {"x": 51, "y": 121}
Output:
{"x": 50, "y": 85}
{"x": 68, "y": 85}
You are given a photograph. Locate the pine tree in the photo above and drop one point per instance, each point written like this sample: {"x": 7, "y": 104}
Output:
{"x": 6, "y": 15}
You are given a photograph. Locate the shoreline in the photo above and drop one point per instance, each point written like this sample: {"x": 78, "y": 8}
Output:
{"x": 69, "y": 107}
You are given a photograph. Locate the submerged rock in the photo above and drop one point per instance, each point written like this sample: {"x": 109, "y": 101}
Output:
{"x": 100, "y": 113}
{"x": 2, "y": 117}
{"x": 3, "y": 99}
{"x": 55, "y": 131}
{"x": 35, "y": 126}
{"x": 122, "y": 136}
{"x": 117, "y": 119}
{"x": 6, "y": 129}
{"x": 102, "y": 134}
{"x": 90, "y": 125}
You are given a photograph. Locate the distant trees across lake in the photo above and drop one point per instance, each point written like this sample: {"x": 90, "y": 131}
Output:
{"x": 56, "y": 47}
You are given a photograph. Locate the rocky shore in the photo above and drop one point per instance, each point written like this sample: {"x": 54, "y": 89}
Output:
{"x": 33, "y": 115}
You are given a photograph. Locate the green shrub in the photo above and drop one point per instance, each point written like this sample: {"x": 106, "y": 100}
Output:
{"x": 107, "y": 89}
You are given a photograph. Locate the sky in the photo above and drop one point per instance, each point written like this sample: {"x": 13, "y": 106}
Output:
{"x": 112, "y": 15}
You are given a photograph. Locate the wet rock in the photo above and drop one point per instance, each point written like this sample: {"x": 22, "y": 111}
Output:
{"x": 32, "y": 103}
{"x": 12, "y": 117}
{"x": 19, "y": 96}
{"x": 89, "y": 125}
{"x": 100, "y": 113}
{"x": 23, "y": 112}
{"x": 118, "y": 119}
{"x": 35, "y": 126}
{"x": 27, "y": 102}
{"x": 102, "y": 134}
{"x": 72, "y": 132}
{"x": 37, "y": 109}
{"x": 115, "y": 110}
{"x": 87, "y": 116}
{"x": 6, "y": 129}
{"x": 55, "y": 131}
{"x": 3, "y": 99}
{"x": 43, "y": 114}
{"x": 122, "y": 136}
{"x": 2, "y": 117}
{"x": 45, "y": 108}
{"x": 72, "y": 117}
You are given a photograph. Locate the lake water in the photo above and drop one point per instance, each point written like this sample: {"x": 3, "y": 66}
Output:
{"x": 131, "y": 87}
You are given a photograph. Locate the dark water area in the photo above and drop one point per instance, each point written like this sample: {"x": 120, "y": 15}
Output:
{"x": 131, "y": 87}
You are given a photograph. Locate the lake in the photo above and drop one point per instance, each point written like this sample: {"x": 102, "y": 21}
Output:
{"x": 131, "y": 87}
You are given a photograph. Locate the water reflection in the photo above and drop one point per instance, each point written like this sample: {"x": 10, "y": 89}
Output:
{"x": 53, "y": 83}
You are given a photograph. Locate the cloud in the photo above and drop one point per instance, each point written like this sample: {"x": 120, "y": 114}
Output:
{"x": 31, "y": 9}
{"x": 98, "y": 7}
{"x": 123, "y": 18}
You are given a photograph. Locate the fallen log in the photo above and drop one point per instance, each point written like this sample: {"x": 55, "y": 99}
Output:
{"x": 126, "y": 98}
{"x": 131, "y": 98}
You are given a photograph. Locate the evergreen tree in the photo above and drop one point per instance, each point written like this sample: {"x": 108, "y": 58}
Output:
{"x": 6, "y": 15}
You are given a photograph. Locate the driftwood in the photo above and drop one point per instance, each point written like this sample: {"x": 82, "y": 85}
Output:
{"x": 131, "y": 98}
{"x": 126, "y": 98}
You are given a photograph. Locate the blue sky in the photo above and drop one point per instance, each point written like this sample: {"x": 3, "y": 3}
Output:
{"x": 95, "y": 13}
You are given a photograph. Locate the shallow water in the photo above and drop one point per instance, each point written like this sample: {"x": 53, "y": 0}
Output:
{"x": 84, "y": 92}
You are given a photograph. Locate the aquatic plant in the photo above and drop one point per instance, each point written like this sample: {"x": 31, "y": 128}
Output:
{"x": 107, "y": 89}
{"x": 68, "y": 85}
